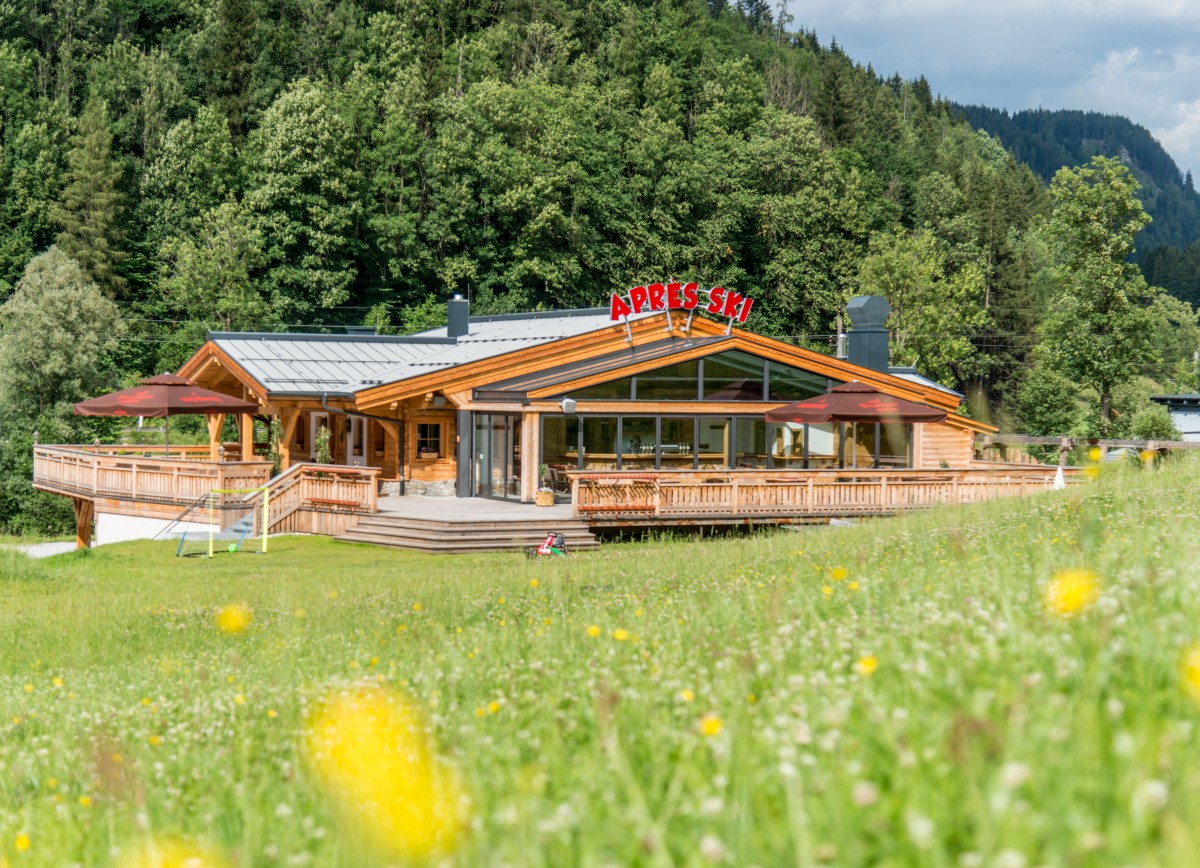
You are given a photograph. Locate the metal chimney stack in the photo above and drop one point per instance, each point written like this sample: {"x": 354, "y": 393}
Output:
{"x": 458, "y": 317}
{"x": 868, "y": 339}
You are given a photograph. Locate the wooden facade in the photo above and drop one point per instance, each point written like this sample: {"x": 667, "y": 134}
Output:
{"x": 486, "y": 422}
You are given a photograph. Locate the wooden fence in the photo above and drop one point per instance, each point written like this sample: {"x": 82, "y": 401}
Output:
{"x": 697, "y": 496}
{"x": 89, "y": 472}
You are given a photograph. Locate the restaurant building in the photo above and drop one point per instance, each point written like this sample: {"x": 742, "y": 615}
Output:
{"x": 498, "y": 406}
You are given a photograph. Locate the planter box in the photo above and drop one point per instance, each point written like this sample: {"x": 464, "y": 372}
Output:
{"x": 544, "y": 498}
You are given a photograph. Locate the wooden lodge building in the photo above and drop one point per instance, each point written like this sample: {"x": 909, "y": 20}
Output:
{"x": 637, "y": 418}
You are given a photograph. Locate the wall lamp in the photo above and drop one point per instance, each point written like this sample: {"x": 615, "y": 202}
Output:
{"x": 568, "y": 405}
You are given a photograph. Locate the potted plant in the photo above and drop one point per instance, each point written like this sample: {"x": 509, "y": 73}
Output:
{"x": 545, "y": 494}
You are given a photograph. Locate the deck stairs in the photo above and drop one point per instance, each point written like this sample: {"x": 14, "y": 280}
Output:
{"x": 459, "y": 535}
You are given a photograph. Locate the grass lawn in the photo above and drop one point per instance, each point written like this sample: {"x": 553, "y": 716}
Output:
{"x": 892, "y": 694}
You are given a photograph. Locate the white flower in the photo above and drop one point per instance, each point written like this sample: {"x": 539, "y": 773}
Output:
{"x": 865, "y": 794}
{"x": 712, "y": 849}
{"x": 920, "y": 829}
{"x": 1014, "y": 775}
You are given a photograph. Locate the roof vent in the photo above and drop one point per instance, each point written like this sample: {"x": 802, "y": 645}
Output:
{"x": 867, "y": 342}
{"x": 458, "y": 317}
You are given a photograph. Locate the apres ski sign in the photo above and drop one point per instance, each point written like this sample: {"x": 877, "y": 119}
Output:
{"x": 682, "y": 296}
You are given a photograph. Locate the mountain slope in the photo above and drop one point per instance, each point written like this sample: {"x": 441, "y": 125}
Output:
{"x": 1049, "y": 140}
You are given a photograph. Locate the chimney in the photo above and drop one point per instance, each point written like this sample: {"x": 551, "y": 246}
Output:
{"x": 458, "y": 317}
{"x": 868, "y": 339}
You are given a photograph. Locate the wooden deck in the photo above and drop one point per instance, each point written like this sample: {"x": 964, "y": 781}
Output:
{"x": 755, "y": 496}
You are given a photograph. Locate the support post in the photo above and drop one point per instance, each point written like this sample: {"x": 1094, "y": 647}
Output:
{"x": 246, "y": 426}
{"x": 288, "y": 418}
{"x": 216, "y": 423}
{"x": 85, "y": 511}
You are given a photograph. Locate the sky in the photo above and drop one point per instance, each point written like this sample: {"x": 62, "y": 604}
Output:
{"x": 1137, "y": 58}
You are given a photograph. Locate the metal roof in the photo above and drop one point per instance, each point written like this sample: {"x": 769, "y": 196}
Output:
{"x": 307, "y": 364}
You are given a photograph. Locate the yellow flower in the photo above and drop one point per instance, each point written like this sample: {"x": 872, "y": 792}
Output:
{"x": 853, "y": 586}
{"x": 827, "y": 591}
{"x": 1094, "y": 454}
{"x": 1189, "y": 670}
{"x": 533, "y": 583}
{"x": 22, "y": 843}
{"x": 593, "y": 631}
{"x": 170, "y": 853}
{"x": 493, "y": 707}
{"x": 369, "y": 753}
{"x": 710, "y": 725}
{"x": 155, "y": 740}
{"x": 866, "y": 665}
{"x": 417, "y": 607}
{"x": 234, "y": 619}
{"x": 838, "y": 573}
{"x": 620, "y": 634}
{"x": 1070, "y": 592}
{"x": 686, "y": 695}
{"x": 85, "y": 801}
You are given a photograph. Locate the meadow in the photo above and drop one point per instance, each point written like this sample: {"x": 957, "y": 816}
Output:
{"x": 1012, "y": 684}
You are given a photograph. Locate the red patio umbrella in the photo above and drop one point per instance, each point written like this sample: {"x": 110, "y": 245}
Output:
{"x": 854, "y": 402}
{"x": 163, "y": 396}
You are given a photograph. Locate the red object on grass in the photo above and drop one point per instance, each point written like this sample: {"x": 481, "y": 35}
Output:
{"x": 854, "y": 402}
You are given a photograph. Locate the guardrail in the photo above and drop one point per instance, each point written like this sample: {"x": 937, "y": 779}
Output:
{"x": 740, "y": 494}
{"x": 88, "y": 471}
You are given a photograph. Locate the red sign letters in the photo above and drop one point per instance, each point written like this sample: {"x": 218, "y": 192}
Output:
{"x": 682, "y": 296}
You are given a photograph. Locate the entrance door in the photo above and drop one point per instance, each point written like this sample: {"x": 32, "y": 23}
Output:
{"x": 498, "y": 455}
{"x": 317, "y": 422}
{"x": 356, "y": 441}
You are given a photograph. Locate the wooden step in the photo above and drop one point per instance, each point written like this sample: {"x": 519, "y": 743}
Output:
{"x": 449, "y": 536}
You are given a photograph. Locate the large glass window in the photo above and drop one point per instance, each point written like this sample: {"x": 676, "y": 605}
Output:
{"x": 712, "y": 449}
{"x": 749, "y": 442}
{"x": 895, "y": 445}
{"x": 733, "y": 376}
{"x": 560, "y": 442}
{"x": 677, "y": 450}
{"x": 793, "y": 384}
{"x": 613, "y": 390}
{"x": 672, "y": 383}
{"x": 639, "y": 436}
{"x": 599, "y": 442}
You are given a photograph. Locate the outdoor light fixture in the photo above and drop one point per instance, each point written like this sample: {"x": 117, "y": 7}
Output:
{"x": 568, "y": 405}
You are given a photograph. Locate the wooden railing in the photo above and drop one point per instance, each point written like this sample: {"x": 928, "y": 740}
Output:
{"x": 738, "y": 494}
{"x": 305, "y": 496}
{"x": 93, "y": 473}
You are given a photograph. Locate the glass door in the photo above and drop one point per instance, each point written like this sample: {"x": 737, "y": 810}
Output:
{"x": 498, "y": 455}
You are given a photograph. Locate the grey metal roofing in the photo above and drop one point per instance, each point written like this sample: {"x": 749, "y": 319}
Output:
{"x": 912, "y": 376}
{"x": 307, "y": 364}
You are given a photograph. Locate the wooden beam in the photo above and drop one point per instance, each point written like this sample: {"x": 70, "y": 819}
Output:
{"x": 85, "y": 511}
{"x": 246, "y": 423}
{"x": 288, "y": 417}
{"x": 216, "y": 422}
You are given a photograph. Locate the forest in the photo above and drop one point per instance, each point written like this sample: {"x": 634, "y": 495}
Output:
{"x": 172, "y": 167}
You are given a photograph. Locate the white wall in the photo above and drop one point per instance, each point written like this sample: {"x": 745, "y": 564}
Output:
{"x": 112, "y": 528}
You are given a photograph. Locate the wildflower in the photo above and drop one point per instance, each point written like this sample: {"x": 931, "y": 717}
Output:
{"x": 593, "y": 631}
{"x": 712, "y": 849}
{"x": 533, "y": 583}
{"x": 369, "y": 754}
{"x": 234, "y": 619}
{"x": 620, "y": 634}
{"x": 493, "y": 707}
{"x": 22, "y": 843}
{"x": 710, "y": 725}
{"x": 1070, "y": 592}
{"x": 85, "y": 801}
{"x": 170, "y": 853}
{"x": 1094, "y": 454}
{"x": 866, "y": 665}
{"x": 827, "y": 591}
{"x": 865, "y": 794}
{"x": 1189, "y": 671}
{"x": 686, "y": 695}
{"x": 838, "y": 573}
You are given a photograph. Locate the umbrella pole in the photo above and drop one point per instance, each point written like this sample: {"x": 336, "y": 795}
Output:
{"x": 167, "y": 436}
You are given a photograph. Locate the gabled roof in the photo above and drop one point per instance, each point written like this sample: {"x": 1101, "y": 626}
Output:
{"x": 286, "y": 364}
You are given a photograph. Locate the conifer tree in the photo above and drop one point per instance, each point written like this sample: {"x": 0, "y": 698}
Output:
{"x": 90, "y": 209}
